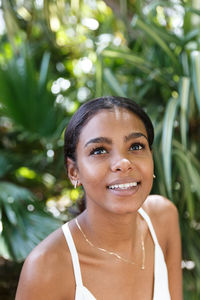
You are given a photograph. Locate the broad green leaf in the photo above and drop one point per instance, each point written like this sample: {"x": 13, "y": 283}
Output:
{"x": 185, "y": 64}
{"x": 184, "y": 91}
{"x": 159, "y": 171}
{"x": 185, "y": 182}
{"x": 168, "y": 125}
{"x": 44, "y": 70}
{"x": 113, "y": 83}
{"x": 10, "y": 214}
{"x": 195, "y": 58}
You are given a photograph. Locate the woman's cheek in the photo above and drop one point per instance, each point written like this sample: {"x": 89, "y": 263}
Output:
{"x": 90, "y": 170}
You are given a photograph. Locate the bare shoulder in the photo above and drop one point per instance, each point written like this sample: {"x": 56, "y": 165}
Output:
{"x": 47, "y": 270}
{"x": 160, "y": 208}
{"x": 164, "y": 216}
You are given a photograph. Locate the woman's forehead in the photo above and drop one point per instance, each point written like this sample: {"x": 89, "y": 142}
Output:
{"x": 115, "y": 114}
{"x": 112, "y": 119}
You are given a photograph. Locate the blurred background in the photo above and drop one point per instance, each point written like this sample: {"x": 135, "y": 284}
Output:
{"x": 55, "y": 55}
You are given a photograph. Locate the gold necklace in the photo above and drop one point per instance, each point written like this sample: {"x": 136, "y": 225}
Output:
{"x": 116, "y": 255}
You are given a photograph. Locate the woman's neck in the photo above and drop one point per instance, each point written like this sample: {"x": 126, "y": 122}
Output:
{"x": 118, "y": 232}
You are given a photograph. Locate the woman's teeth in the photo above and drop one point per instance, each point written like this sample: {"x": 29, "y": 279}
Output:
{"x": 123, "y": 186}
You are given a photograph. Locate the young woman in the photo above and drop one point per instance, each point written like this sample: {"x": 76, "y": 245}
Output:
{"x": 126, "y": 244}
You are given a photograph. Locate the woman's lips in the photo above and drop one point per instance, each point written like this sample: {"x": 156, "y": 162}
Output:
{"x": 124, "y": 189}
{"x": 123, "y": 186}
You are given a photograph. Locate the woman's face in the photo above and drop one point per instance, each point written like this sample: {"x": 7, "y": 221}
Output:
{"x": 114, "y": 161}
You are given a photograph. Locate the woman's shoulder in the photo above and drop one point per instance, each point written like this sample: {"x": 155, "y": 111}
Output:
{"x": 160, "y": 207}
{"x": 47, "y": 270}
{"x": 49, "y": 252}
{"x": 164, "y": 217}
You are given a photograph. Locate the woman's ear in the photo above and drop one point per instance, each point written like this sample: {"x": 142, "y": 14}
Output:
{"x": 72, "y": 171}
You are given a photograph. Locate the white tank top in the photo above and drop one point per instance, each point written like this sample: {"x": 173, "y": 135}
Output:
{"x": 161, "y": 289}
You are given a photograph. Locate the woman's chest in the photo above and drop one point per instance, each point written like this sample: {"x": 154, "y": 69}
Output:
{"x": 117, "y": 280}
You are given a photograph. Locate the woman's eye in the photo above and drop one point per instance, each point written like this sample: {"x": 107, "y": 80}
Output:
{"x": 137, "y": 147}
{"x": 99, "y": 150}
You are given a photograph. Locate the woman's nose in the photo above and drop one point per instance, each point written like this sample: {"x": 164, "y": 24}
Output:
{"x": 122, "y": 164}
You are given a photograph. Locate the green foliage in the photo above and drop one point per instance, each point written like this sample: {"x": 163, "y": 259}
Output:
{"x": 167, "y": 133}
{"x": 25, "y": 98}
{"x": 24, "y": 223}
{"x": 149, "y": 51}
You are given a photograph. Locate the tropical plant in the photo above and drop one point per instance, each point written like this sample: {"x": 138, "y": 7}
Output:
{"x": 147, "y": 50}
{"x": 26, "y": 102}
{"x": 22, "y": 229}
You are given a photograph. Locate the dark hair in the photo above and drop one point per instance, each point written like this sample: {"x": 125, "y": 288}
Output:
{"x": 91, "y": 108}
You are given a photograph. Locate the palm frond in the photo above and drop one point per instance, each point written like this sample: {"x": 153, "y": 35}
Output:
{"x": 26, "y": 99}
{"x": 195, "y": 58}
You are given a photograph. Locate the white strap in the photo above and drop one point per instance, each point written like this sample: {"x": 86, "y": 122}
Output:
{"x": 74, "y": 254}
{"x": 161, "y": 288}
{"x": 147, "y": 219}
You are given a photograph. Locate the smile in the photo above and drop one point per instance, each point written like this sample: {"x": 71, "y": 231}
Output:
{"x": 123, "y": 186}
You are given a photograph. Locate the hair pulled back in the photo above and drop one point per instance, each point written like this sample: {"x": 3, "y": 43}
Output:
{"x": 90, "y": 109}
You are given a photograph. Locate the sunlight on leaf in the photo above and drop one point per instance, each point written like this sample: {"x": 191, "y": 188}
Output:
{"x": 26, "y": 173}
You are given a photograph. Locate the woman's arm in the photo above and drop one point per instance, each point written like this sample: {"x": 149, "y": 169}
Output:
{"x": 33, "y": 283}
{"x": 164, "y": 216}
{"x": 47, "y": 272}
{"x": 173, "y": 254}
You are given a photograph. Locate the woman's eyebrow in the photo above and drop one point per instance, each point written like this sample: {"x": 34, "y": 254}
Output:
{"x": 99, "y": 140}
{"x": 102, "y": 139}
{"x": 135, "y": 135}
